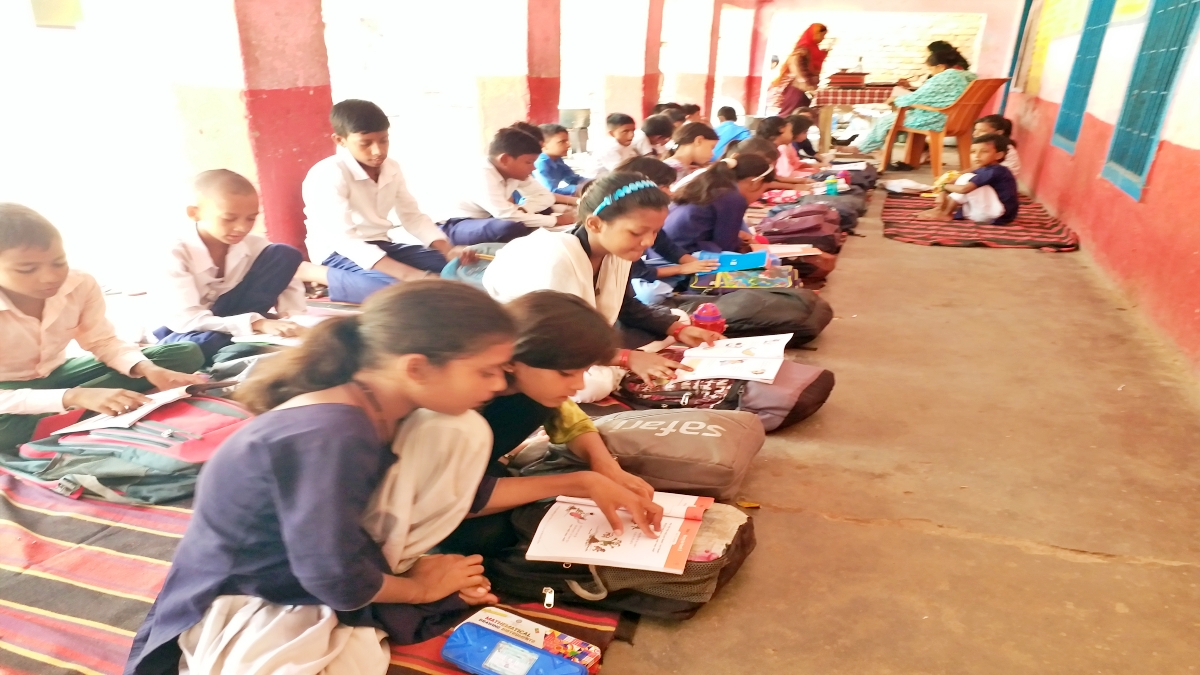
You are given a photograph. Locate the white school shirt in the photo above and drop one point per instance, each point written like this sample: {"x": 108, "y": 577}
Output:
{"x": 612, "y": 154}
{"x": 489, "y": 195}
{"x": 1012, "y": 161}
{"x": 192, "y": 285}
{"x": 344, "y": 209}
{"x": 33, "y": 349}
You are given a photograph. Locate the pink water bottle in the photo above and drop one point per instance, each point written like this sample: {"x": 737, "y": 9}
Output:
{"x": 708, "y": 317}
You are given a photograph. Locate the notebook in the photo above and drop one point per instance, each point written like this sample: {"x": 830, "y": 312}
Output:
{"x": 127, "y": 420}
{"x": 574, "y": 530}
{"x": 756, "y": 359}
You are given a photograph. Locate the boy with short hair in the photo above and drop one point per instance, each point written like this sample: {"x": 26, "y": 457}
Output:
{"x": 728, "y": 131}
{"x": 652, "y": 139}
{"x": 987, "y": 195}
{"x": 222, "y": 281}
{"x": 551, "y": 170}
{"x": 44, "y": 304}
{"x": 678, "y": 118}
{"x": 347, "y": 199}
{"x": 619, "y": 149}
{"x": 999, "y": 124}
{"x": 488, "y": 212}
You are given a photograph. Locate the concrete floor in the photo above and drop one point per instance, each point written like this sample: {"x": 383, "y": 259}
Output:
{"x": 1005, "y": 480}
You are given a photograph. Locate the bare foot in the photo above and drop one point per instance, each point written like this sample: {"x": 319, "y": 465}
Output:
{"x": 933, "y": 214}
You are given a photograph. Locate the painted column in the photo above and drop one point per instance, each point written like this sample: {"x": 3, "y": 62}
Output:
{"x": 287, "y": 101}
{"x": 690, "y": 32}
{"x": 545, "y": 34}
{"x": 517, "y": 77}
{"x": 733, "y": 53}
{"x": 758, "y": 54}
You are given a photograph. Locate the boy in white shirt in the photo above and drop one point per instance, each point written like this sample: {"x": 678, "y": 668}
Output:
{"x": 44, "y": 304}
{"x": 620, "y": 149}
{"x": 222, "y": 281}
{"x": 654, "y": 136}
{"x": 347, "y": 201}
{"x": 488, "y": 211}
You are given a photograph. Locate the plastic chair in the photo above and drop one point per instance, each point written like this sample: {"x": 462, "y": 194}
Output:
{"x": 960, "y": 124}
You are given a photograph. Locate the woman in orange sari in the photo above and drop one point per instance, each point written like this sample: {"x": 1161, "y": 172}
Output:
{"x": 800, "y": 72}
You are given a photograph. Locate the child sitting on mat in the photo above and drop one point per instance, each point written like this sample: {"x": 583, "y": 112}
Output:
{"x": 551, "y": 169}
{"x": 986, "y": 195}
{"x": 44, "y": 305}
{"x": 999, "y": 124}
{"x": 694, "y": 143}
{"x": 221, "y": 280}
{"x": 619, "y": 146}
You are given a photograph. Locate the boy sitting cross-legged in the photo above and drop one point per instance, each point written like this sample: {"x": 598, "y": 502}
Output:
{"x": 987, "y": 195}
{"x": 223, "y": 281}
{"x": 347, "y": 201}
{"x": 44, "y": 304}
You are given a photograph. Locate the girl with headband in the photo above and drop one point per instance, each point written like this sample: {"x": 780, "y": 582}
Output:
{"x": 619, "y": 217}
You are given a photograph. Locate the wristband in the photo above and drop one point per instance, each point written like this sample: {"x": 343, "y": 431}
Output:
{"x": 623, "y": 358}
{"x": 676, "y": 330}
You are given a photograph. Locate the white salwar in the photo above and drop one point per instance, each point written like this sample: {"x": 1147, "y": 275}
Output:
{"x": 441, "y": 460}
{"x": 981, "y": 205}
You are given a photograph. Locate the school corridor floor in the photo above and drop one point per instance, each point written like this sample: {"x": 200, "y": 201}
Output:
{"x": 1006, "y": 480}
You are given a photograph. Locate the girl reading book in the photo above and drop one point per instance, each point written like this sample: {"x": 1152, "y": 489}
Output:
{"x": 559, "y": 336}
{"x": 619, "y": 217}
{"x": 279, "y": 570}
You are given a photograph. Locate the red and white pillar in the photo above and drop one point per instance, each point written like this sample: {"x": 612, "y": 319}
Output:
{"x": 758, "y": 54}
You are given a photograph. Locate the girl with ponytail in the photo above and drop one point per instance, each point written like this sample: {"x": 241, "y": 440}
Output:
{"x": 305, "y": 550}
{"x": 709, "y": 210}
{"x": 619, "y": 217}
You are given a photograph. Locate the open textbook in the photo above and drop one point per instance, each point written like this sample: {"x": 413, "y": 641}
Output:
{"x": 757, "y": 359}
{"x": 574, "y": 530}
{"x": 127, "y": 420}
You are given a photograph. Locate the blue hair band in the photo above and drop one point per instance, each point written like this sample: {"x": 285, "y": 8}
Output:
{"x": 623, "y": 192}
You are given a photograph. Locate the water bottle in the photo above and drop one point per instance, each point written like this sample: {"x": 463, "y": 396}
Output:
{"x": 831, "y": 186}
{"x": 708, "y": 317}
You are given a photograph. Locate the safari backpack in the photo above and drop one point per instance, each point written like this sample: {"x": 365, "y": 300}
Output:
{"x": 813, "y": 224}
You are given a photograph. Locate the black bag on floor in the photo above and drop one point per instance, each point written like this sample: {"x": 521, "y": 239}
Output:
{"x": 849, "y": 207}
{"x": 768, "y": 311}
{"x": 655, "y": 594}
{"x": 813, "y": 224}
{"x": 864, "y": 178}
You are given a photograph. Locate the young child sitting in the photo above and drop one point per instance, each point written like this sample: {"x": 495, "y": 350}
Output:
{"x": 987, "y": 195}
{"x": 677, "y": 116}
{"x": 552, "y": 170}
{"x": 619, "y": 148}
{"x": 223, "y": 281}
{"x": 531, "y": 188}
{"x": 694, "y": 143}
{"x": 692, "y": 113}
{"x": 488, "y": 211}
{"x": 801, "y": 146}
{"x": 708, "y": 212}
{"x": 44, "y": 304}
{"x": 728, "y": 131}
{"x": 654, "y": 136}
{"x": 347, "y": 199}
{"x": 778, "y": 131}
{"x": 999, "y": 124}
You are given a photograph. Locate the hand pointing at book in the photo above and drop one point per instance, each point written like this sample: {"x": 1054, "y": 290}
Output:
{"x": 610, "y": 497}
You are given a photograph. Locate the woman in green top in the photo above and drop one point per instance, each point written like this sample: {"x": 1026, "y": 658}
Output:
{"x": 943, "y": 88}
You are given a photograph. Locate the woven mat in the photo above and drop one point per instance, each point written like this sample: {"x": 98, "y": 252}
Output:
{"x": 1033, "y": 228}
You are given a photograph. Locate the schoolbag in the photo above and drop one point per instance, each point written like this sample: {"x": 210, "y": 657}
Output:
{"x": 654, "y": 594}
{"x": 714, "y": 394}
{"x": 849, "y": 206}
{"x": 767, "y": 311}
{"x": 472, "y": 274}
{"x": 814, "y": 224}
{"x": 696, "y": 452}
{"x": 863, "y": 178}
{"x": 156, "y": 460}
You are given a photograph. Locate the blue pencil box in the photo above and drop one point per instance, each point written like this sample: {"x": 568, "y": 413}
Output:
{"x": 478, "y": 650}
{"x": 736, "y": 262}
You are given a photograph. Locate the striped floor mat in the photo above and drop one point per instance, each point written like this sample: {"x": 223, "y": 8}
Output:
{"x": 78, "y": 576}
{"x": 1033, "y": 228}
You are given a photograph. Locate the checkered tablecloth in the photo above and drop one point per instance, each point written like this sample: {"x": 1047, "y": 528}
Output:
{"x": 823, "y": 97}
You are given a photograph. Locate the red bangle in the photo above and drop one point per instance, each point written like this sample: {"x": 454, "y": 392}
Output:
{"x": 623, "y": 359}
{"x": 676, "y": 330}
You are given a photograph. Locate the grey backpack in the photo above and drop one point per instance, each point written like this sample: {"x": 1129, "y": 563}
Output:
{"x": 686, "y": 450}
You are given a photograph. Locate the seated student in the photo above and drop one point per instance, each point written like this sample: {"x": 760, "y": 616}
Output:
{"x": 347, "y": 199}
{"x": 532, "y": 187}
{"x": 662, "y": 108}
{"x": 665, "y": 267}
{"x": 44, "y": 304}
{"x": 694, "y": 144}
{"x": 801, "y": 146}
{"x": 728, "y": 131}
{"x": 654, "y": 136}
{"x": 999, "y": 124}
{"x": 708, "y": 212}
{"x": 280, "y": 569}
{"x": 559, "y": 337}
{"x": 691, "y": 113}
{"x": 619, "y": 217}
{"x": 223, "y": 281}
{"x": 778, "y": 131}
{"x": 550, "y": 168}
{"x": 676, "y": 116}
{"x": 487, "y": 211}
{"x": 618, "y": 147}
{"x": 988, "y": 194}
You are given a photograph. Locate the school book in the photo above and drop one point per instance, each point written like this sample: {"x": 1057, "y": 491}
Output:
{"x": 757, "y": 359}
{"x": 787, "y": 250}
{"x": 127, "y": 420}
{"x": 574, "y": 530}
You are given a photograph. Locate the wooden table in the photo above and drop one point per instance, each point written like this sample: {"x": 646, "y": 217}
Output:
{"x": 828, "y": 99}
